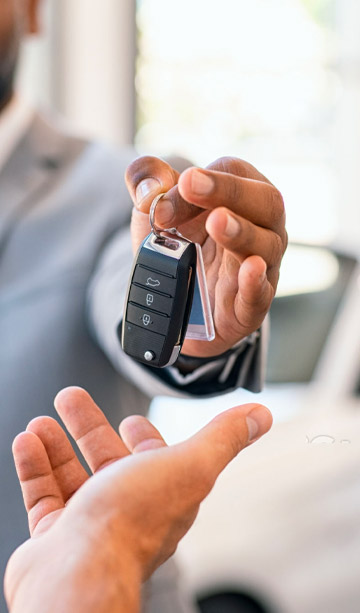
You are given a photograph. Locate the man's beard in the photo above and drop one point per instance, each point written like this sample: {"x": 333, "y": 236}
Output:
{"x": 8, "y": 62}
{"x": 6, "y": 87}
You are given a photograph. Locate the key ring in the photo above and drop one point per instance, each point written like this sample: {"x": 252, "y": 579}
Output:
{"x": 156, "y": 230}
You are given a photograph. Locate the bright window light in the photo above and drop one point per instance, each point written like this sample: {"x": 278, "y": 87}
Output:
{"x": 306, "y": 270}
{"x": 256, "y": 80}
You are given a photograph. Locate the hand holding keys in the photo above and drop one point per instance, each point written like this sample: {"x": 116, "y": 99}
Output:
{"x": 159, "y": 297}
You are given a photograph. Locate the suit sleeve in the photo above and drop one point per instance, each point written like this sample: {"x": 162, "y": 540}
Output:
{"x": 243, "y": 366}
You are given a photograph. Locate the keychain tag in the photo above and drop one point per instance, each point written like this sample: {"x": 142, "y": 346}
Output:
{"x": 200, "y": 326}
{"x": 201, "y": 323}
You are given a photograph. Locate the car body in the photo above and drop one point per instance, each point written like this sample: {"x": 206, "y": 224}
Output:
{"x": 283, "y": 521}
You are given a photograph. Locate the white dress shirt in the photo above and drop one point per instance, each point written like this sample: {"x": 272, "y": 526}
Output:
{"x": 14, "y": 122}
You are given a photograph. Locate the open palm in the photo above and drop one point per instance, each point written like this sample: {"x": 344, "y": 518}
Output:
{"x": 129, "y": 516}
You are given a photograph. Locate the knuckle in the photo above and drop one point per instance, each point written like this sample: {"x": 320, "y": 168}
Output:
{"x": 234, "y": 190}
{"x": 277, "y": 249}
{"x": 277, "y": 207}
{"x": 274, "y": 276}
{"x": 231, "y": 165}
{"x": 222, "y": 164}
{"x": 248, "y": 236}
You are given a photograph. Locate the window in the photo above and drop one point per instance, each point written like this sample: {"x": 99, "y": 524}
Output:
{"x": 310, "y": 292}
{"x": 257, "y": 80}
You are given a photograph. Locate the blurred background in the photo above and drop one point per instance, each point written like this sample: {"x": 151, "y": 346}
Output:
{"x": 276, "y": 82}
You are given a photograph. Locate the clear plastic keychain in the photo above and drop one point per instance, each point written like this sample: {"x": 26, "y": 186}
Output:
{"x": 201, "y": 323}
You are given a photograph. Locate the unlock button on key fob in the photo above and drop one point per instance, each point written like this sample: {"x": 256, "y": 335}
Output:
{"x": 151, "y": 300}
{"x": 148, "y": 320}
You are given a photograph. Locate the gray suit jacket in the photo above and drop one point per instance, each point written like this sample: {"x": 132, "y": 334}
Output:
{"x": 65, "y": 257}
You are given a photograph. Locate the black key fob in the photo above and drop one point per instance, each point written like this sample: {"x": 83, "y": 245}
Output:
{"x": 159, "y": 299}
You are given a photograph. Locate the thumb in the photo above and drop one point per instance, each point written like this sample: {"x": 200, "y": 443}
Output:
{"x": 214, "y": 446}
{"x": 147, "y": 177}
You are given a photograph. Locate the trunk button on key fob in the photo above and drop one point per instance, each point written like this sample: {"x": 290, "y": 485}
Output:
{"x": 154, "y": 280}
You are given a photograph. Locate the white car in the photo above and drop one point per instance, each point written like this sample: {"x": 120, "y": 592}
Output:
{"x": 281, "y": 530}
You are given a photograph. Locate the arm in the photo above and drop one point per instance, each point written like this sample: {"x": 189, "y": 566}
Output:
{"x": 90, "y": 550}
{"x": 242, "y": 272}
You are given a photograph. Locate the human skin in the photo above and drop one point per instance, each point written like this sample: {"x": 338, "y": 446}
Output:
{"x": 95, "y": 539}
{"x": 238, "y": 217}
{"x": 17, "y": 18}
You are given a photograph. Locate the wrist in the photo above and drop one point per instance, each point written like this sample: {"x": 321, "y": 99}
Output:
{"x": 105, "y": 578}
{"x": 76, "y": 577}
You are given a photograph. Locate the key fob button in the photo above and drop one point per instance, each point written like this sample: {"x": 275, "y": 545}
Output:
{"x": 146, "y": 319}
{"x": 153, "y": 280}
{"x": 150, "y": 299}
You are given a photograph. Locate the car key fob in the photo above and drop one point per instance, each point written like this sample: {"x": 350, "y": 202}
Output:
{"x": 159, "y": 299}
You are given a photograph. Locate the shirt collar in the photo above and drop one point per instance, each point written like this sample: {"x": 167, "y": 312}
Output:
{"x": 14, "y": 121}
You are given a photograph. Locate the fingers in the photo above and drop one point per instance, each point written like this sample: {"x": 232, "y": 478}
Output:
{"x": 39, "y": 487}
{"x": 259, "y": 202}
{"x": 139, "y": 434}
{"x": 66, "y": 468}
{"x": 146, "y": 177}
{"x": 227, "y": 182}
{"x": 87, "y": 424}
{"x": 243, "y": 295}
{"x": 243, "y": 238}
{"x": 255, "y": 294}
{"x": 209, "y": 451}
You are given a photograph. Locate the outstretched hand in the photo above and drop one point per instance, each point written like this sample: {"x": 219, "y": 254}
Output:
{"x": 238, "y": 218}
{"x": 94, "y": 539}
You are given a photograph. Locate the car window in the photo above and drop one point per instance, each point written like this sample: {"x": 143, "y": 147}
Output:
{"x": 357, "y": 389}
{"x": 302, "y": 315}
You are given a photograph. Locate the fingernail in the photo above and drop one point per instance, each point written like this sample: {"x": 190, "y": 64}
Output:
{"x": 201, "y": 183}
{"x": 257, "y": 422}
{"x": 232, "y": 227}
{"x": 146, "y": 188}
{"x": 164, "y": 212}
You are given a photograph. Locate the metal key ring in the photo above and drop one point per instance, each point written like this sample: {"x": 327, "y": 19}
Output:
{"x": 156, "y": 230}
